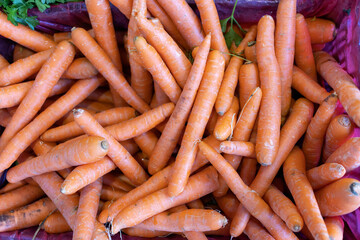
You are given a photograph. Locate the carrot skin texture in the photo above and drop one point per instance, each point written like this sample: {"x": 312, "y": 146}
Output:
{"x": 56, "y": 223}
{"x": 3, "y": 62}
{"x": 320, "y": 30}
{"x": 225, "y": 124}
{"x": 256, "y": 231}
{"x": 248, "y": 81}
{"x": 11, "y": 186}
{"x": 241, "y": 148}
{"x": 335, "y": 227}
{"x": 113, "y": 181}
{"x": 325, "y": 174}
{"x": 267, "y": 143}
{"x": 80, "y": 68}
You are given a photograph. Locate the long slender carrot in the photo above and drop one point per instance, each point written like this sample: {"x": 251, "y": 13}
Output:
{"x": 105, "y": 118}
{"x": 325, "y": 174}
{"x": 225, "y": 124}
{"x": 112, "y": 180}
{"x": 304, "y": 57}
{"x": 316, "y": 130}
{"x": 255, "y": 231}
{"x": 80, "y": 68}
{"x": 24, "y": 35}
{"x": 171, "y": 134}
{"x": 339, "y": 130}
{"x": 3, "y": 62}
{"x": 147, "y": 142}
{"x": 249, "y": 198}
{"x": 321, "y": 30}
{"x": 77, "y": 93}
{"x": 335, "y": 227}
{"x": 56, "y": 223}
{"x": 291, "y": 132}
{"x": 198, "y": 118}
{"x": 204, "y": 182}
{"x": 241, "y": 148}
{"x": 267, "y": 143}
{"x": 248, "y": 81}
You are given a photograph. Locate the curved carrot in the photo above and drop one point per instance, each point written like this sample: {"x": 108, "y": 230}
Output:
{"x": 250, "y": 53}
{"x": 104, "y": 65}
{"x": 246, "y": 149}
{"x": 80, "y": 68}
{"x": 248, "y": 81}
{"x": 339, "y": 130}
{"x": 267, "y": 143}
{"x": 225, "y": 124}
{"x": 198, "y": 118}
{"x": 147, "y": 142}
{"x": 24, "y": 35}
{"x": 255, "y": 231}
{"x": 171, "y": 134}
{"x": 304, "y": 57}
{"x": 56, "y": 223}
{"x": 321, "y": 30}
{"x": 3, "y": 62}
{"x": 316, "y": 130}
{"x": 112, "y": 180}
{"x": 324, "y": 174}
{"x": 335, "y": 227}
{"x": 339, "y": 198}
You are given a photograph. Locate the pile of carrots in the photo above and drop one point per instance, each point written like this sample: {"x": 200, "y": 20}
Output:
{"x": 109, "y": 132}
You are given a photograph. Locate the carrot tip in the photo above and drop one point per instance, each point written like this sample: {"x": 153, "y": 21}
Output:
{"x": 221, "y": 113}
{"x": 104, "y": 145}
{"x": 72, "y": 29}
{"x": 355, "y": 188}
{"x": 296, "y": 228}
{"x": 77, "y": 112}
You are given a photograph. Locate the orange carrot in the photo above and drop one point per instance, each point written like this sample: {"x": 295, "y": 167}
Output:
{"x": 198, "y": 118}
{"x": 324, "y": 174}
{"x": 140, "y": 232}
{"x": 267, "y": 143}
{"x": 255, "y": 231}
{"x": 318, "y": 47}
{"x": 65, "y": 172}
{"x": 300, "y": 188}
{"x": 225, "y": 124}
{"x": 3, "y": 62}
{"x": 248, "y": 170}
{"x": 20, "y": 52}
{"x": 146, "y": 142}
{"x": 228, "y": 204}
{"x": 80, "y": 68}
{"x": 240, "y": 148}
{"x": 60, "y": 36}
{"x": 321, "y": 30}
{"x": 12, "y": 186}
{"x": 315, "y": 133}
{"x": 56, "y": 223}
{"x": 335, "y": 227}
{"x": 210, "y": 126}
{"x": 113, "y": 181}
{"x": 123, "y": 6}
{"x": 196, "y": 204}
{"x": 248, "y": 81}
{"x": 159, "y": 96}
{"x": 95, "y": 106}
{"x": 176, "y": 123}
{"x": 101, "y": 95}
{"x": 250, "y": 52}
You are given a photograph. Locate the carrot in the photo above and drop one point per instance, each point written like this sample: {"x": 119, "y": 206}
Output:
{"x": 324, "y": 174}
{"x": 3, "y": 62}
{"x": 291, "y": 132}
{"x": 248, "y": 169}
{"x": 307, "y": 87}
{"x": 113, "y": 181}
{"x": 300, "y": 188}
{"x": 101, "y": 95}
{"x": 321, "y": 30}
{"x": 198, "y": 118}
{"x": 97, "y": 56}
{"x": 159, "y": 97}
{"x": 318, "y": 47}
{"x": 211, "y": 24}
{"x": 228, "y": 204}
{"x": 20, "y": 52}
{"x": 65, "y": 172}
{"x": 228, "y": 85}
{"x": 225, "y": 124}
{"x": 339, "y": 130}
{"x": 250, "y": 199}
{"x": 204, "y": 182}
{"x": 304, "y": 57}
{"x": 95, "y": 106}
{"x": 24, "y": 35}
{"x": 316, "y": 130}
{"x": 267, "y": 143}
{"x": 335, "y": 227}
{"x": 185, "y": 20}
{"x": 5, "y": 117}
{"x": 56, "y": 223}
{"x": 105, "y": 118}
{"x": 60, "y": 36}
{"x": 196, "y": 204}
{"x": 80, "y": 68}
{"x": 100, "y": 232}
{"x": 210, "y": 126}
{"x": 78, "y": 92}
{"x": 241, "y": 148}
{"x": 255, "y": 231}
{"x": 248, "y": 81}
{"x": 171, "y": 134}
{"x": 147, "y": 142}
{"x": 250, "y": 52}
{"x": 12, "y": 186}
{"x": 140, "y": 232}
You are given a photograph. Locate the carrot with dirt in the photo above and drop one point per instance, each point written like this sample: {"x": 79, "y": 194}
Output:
{"x": 241, "y": 148}
{"x": 105, "y": 118}
{"x": 171, "y": 134}
{"x": 300, "y": 188}
{"x": 325, "y": 174}
{"x": 248, "y": 81}
{"x": 77, "y": 93}
{"x": 3, "y": 62}
{"x": 200, "y": 113}
{"x": 228, "y": 85}
{"x": 315, "y": 133}
{"x": 24, "y": 36}
{"x": 80, "y": 68}
{"x": 225, "y": 124}
{"x": 321, "y": 30}
{"x": 56, "y": 223}
{"x": 339, "y": 130}
{"x": 267, "y": 143}
{"x": 249, "y": 198}
{"x": 291, "y": 132}
{"x": 304, "y": 57}
{"x": 335, "y": 227}
{"x": 147, "y": 142}
{"x": 112, "y": 180}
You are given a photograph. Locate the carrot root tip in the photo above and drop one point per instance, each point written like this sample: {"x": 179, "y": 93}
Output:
{"x": 355, "y": 188}
{"x": 104, "y": 145}
{"x": 221, "y": 113}
{"x": 77, "y": 112}
{"x": 296, "y": 228}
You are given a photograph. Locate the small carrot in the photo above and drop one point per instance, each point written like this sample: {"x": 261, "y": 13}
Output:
{"x": 147, "y": 142}
{"x": 225, "y": 124}
{"x": 255, "y": 231}
{"x": 3, "y": 62}
{"x": 12, "y": 186}
{"x": 321, "y": 30}
{"x": 80, "y": 68}
{"x": 267, "y": 143}
{"x": 250, "y": 52}
{"x": 339, "y": 130}
{"x": 335, "y": 227}
{"x": 113, "y": 181}
{"x": 248, "y": 81}
{"x": 324, "y": 174}
{"x": 315, "y": 133}
{"x": 56, "y": 223}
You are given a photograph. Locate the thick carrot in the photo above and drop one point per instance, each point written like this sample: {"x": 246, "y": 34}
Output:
{"x": 335, "y": 227}
{"x": 267, "y": 143}
{"x": 101, "y": 95}
{"x": 147, "y": 142}
{"x": 248, "y": 81}
{"x": 204, "y": 182}
{"x": 198, "y": 118}
{"x": 291, "y": 132}
{"x": 255, "y": 231}
{"x": 225, "y": 124}
{"x": 324, "y": 174}
{"x": 77, "y": 93}
{"x": 300, "y": 188}
{"x": 3, "y": 62}
{"x": 211, "y": 24}
{"x": 24, "y": 35}
{"x": 241, "y": 148}
{"x": 339, "y": 130}
{"x": 105, "y": 118}
{"x": 339, "y": 198}
{"x": 56, "y": 223}
{"x": 307, "y": 87}
{"x": 80, "y": 68}
{"x": 228, "y": 85}
{"x": 98, "y": 57}
{"x": 12, "y": 186}
{"x": 185, "y": 20}
{"x": 316, "y": 130}
{"x": 321, "y": 30}
{"x": 112, "y": 180}
{"x": 249, "y": 198}
{"x": 23, "y": 68}
{"x": 304, "y": 57}
{"x": 175, "y": 125}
